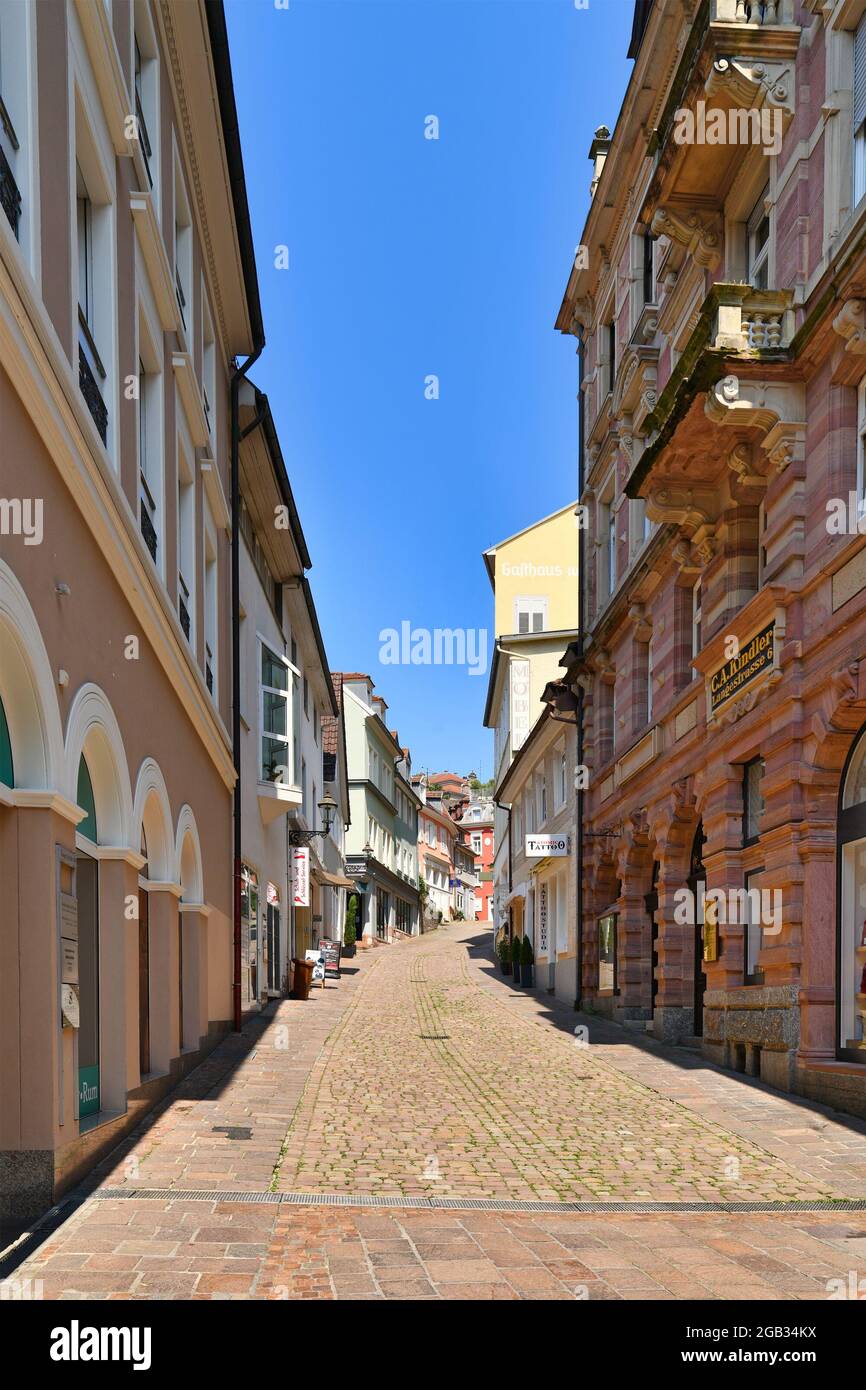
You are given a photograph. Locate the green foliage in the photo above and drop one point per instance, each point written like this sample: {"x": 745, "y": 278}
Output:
{"x": 527, "y": 956}
{"x": 515, "y": 950}
{"x": 350, "y": 930}
{"x": 502, "y": 949}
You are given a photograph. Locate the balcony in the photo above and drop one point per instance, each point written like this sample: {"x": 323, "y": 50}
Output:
{"x": 148, "y": 531}
{"x": 735, "y": 88}
{"x": 183, "y": 605}
{"x": 10, "y": 195}
{"x": 89, "y": 366}
{"x": 751, "y": 321}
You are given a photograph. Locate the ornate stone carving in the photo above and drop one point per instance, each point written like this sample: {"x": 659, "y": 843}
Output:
{"x": 684, "y": 506}
{"x": 762, "y": 404}
{"x": 643, "y": 623}
{"x": 850, "y": 324}
{"x": 740, "y": 461}
{"x": 701, "y": 238}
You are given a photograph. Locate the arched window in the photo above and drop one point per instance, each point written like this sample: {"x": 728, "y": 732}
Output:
{"x": 7, "y": 770}
{"x": 86, "y": 801}
{"x": 851, "y": 907}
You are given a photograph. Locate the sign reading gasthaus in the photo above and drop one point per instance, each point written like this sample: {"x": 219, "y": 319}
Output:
{"x": 544, "y": 845}
{"x": 753, "y": 659}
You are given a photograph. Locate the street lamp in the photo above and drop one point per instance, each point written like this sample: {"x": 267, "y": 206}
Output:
{"x": 368, "y": 851}
{"x": 328, "y": 808}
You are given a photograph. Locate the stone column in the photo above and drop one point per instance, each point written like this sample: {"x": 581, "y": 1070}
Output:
{"x": 193, "y": 927}
{"x": 164, "y": 919}
{"x": 37, "y": 1096}
{"x": 118, "y": 975}
{"x": 673, "y": 823}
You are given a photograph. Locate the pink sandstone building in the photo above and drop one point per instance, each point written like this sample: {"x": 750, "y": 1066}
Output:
{"x": 718, "y": 297}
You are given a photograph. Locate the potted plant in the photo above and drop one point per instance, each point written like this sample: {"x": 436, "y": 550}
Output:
{"x": 527, "y": 961}
{"x": 350, "y": 931}
{"x": 515, "y": 958}
{"x": 504, "y": 955}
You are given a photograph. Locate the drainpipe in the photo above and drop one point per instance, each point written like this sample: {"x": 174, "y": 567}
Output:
{"x": 237, "y": 378}
{"x": 221, "y": 59}
{"x": 581, "y": 556}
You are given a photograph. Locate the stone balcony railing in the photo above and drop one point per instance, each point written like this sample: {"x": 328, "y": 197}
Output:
{"x": 750, "y": 320}
{"x": 752, "y": 11}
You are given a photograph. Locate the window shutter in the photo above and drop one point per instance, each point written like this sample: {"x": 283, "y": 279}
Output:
{"x": 860, "y": 74}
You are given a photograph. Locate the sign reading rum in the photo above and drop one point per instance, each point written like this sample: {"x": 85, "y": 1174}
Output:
{"x": 753, "y": 660}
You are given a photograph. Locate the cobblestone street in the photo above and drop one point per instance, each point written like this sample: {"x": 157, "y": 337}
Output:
{"x": 415, "y": 1081}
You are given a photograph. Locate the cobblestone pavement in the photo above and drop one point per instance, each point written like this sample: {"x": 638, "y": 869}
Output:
{"x": 424, "y": 1075}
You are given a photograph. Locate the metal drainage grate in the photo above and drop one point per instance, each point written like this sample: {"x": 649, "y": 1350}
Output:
{"x": 233, "y": 1131}
{"x": 365, "y": 1199}
{"x": 180, "y": 1194}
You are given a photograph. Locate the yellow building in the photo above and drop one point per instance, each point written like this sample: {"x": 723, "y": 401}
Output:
{"x": 534, "y": 575}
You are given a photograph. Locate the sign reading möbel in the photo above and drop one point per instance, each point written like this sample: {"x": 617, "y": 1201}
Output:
{"x": 542, "y": 846}
{"x": 753, "y": 659}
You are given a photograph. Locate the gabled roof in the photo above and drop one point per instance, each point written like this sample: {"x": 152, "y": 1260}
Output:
{"x": 488, "y": 554}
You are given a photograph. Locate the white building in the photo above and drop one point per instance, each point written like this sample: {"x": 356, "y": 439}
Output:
{"x": 285, "y": 694}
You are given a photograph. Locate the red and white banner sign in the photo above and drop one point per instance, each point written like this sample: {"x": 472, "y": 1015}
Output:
{"x": 301, "y": 875}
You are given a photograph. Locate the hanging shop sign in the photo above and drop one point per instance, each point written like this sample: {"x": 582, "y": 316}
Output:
{"x": 546, "y": 846}
{"x": 301, "y": 877}
{"x": 520, "y": 711}
{"x": 753, "y": 659}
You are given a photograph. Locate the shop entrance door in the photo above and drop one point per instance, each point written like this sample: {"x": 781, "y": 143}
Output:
{"x": 697, "y": 884}
{"x": 652, "y": 901}
{"x": 273, "y": 948}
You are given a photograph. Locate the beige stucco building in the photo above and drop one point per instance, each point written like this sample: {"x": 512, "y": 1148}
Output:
{"x": 127, "y": 288}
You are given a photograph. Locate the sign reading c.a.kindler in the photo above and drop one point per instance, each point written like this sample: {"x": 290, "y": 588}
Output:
{"x": 753, "y": 659}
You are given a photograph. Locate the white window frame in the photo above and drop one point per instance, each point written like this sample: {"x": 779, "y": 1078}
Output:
{"x": 144, "y": 35}
{"x": 285, "y": 695}
{"x": 92, "y": 153}
{"x": 697, "y": 616}
{"x": 210, "y": 559}
{"x": 531, "y": 605}
{"x": 759, "y": 261}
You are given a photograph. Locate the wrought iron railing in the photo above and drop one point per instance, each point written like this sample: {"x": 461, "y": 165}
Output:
{"x": 143, "y": 137}
{"x": 92, "y": 394}
{"x": 148, "y": 530}
{"x": 10, "y": 195}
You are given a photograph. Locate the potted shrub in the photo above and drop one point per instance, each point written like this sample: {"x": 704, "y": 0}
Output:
{"x": 350, "y": 931}
{"x": 504, "y": 955}
{"x": 515, "y": 958}
{"x": 527, "y": 961}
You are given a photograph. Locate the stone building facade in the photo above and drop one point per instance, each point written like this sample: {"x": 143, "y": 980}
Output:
{"x": 719, "y": 301}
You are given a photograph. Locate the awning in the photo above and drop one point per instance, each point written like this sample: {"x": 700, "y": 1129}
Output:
{"x": 335, "y": 880}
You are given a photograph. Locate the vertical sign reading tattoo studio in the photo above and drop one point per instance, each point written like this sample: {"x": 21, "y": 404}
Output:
{"x": 752, "y": 661}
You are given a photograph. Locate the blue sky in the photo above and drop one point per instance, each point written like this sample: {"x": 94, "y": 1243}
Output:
{"x": 411, "y": 257}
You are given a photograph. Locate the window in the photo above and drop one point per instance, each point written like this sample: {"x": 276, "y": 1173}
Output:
{"x": 182, "y": 251}
{"x": 542, "y": 800}
{"x": 91, "y": 372}
{"x": 148, "y": 517}
{"x": 758, "y": 244}
{"x": 753, "y": 801}
{"x": 752, "y": 929}
{"x": 563, "y": 778}
{"x": 610, "y": 544}
{"x": 762, "y": 549}
{"x": 530, "y": 614}
{"x": 146, "y": 89}
{"x": 186, "y": 567}
{"x": 610, "y": 344}
{"x": 17, "y": 22}
{"x": 277, "y": 764}
{"x": 649, "y": 682}
{"x": 304, "y": 805}
{"x": 210, "y": 600}
{"x": 861, "y": 450}
{"x": 315, "y": 724}
{"x": 697, "y": 613}
{"x": 306, "y": 701}
{"x": 649, "y": 283}
{"x": 607, "y": 954}
{"x": 476, "y": 844}
{"x": 859, "y": 110}
{"x": 208, "y": 365}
